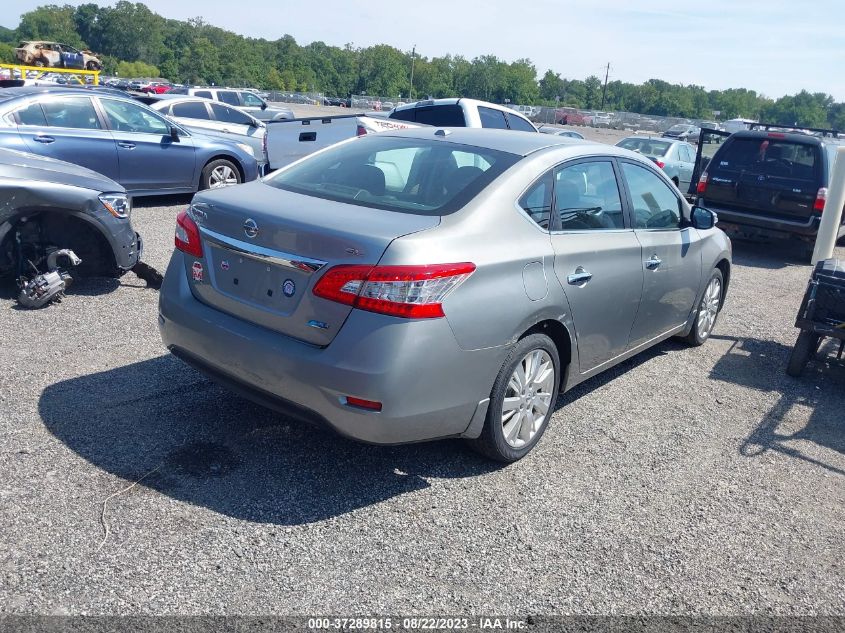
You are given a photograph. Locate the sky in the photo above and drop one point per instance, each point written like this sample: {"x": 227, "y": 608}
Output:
{"x": 775, "y": 47}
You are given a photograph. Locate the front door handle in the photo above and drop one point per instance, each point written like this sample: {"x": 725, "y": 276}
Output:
{"x": 126, "y": 144}
{"x": 42, "y": 138}
{"x": 653, "y": 263}
{"x": 579, "y": 277}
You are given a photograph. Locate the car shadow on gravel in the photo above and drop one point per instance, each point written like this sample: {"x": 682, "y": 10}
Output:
{"x": 761, "y": 365}
{"x": 770, "y": 256}
{"x": 191, "y": 440}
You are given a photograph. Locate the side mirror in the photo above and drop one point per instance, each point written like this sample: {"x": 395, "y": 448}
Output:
{"x": 174, "y": 133}
{"x": 702, "y": 218}
{"x": 263, "y": 105}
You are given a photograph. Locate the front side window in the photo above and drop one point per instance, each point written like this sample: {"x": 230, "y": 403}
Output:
{"x": 537, "y": 201}
{"x": 126, "y": 116}
{"x": 228, "y": 96}
{"x": 407, "y": 175}
{"x": 225, "y": 114}
{"x": 492, "y": 118}
{"x": 518, "y": 123}
{"x": 656, "y": 206}
{"x": 587, "y": 197}
{"x": 71, "y": 112}
{"x": 205, "y": 94}
{"x": 190, "y": 110}
{"x": 645, "y": 146}
{"x": 250, "y": 100}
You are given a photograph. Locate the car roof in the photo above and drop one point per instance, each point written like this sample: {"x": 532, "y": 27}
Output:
{"x": 509, "y": 141}
{"x": 26, "y": 91}
{"x": 792, "y": 137}
{"x": 454, "y": 101}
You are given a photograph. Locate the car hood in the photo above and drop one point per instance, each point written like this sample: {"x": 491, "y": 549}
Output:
{"x": 32, "y": 167}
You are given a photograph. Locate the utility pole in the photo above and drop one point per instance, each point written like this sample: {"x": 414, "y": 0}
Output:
{"x": 604, "y": 89}
{"x": 411, "y": 89}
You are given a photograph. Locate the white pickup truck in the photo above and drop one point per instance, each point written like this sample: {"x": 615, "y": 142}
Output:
{"x": 292, "y": 139}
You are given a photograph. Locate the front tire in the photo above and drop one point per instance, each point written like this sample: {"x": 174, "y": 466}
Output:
{"x": 220, "y": 173}
{"x": 522, "y": 400}
{"x": 708, "y": 310}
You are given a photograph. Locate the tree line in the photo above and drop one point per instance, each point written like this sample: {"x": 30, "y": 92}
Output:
{"x": 132, "y": 41}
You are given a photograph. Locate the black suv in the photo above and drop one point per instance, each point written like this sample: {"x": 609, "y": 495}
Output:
{"x": 769, "y": 185}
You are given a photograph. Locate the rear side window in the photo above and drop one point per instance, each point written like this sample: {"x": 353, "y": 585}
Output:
{"x": 205, "y": 94}
{"x": 408, "y": 175}
{"x": 491, "y": 118}
{"x": 227, "y": 96}
{"x": 537, "y": 201}
{"x": 190, "y": 110}
{"x": 31, "y": 115}
{"x": 518, "y": 123}
{"x": 440, "y": 116}
{"x": 73, "y": 112}
{"x": 768, "y": 156}
{"x": 587, "y": 197}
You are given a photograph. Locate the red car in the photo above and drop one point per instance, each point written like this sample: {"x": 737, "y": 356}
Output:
{"x": 156, "y": 88}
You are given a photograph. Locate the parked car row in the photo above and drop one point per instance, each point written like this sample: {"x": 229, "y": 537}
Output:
{"x": 273, "y": 299}
{"x": 120, "y": 138}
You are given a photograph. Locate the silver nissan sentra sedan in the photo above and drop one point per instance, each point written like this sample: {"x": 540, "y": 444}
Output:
{"x": 434, "y": 283}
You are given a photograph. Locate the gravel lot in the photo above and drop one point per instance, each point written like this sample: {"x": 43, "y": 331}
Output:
{"x": 699, "y": 481}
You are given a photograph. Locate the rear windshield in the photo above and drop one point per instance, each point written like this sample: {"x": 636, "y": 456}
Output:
{"x": 645, "y": 146}
{"x": 439, "y": 115}
{"x": 423, "y": 177}
{"x": 767, "y": 156}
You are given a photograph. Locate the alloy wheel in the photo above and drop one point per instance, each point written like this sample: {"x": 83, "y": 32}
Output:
{"x": 222, "y": 176}
{"x": 709, "y": 308}
{"x": 528, "y": 398}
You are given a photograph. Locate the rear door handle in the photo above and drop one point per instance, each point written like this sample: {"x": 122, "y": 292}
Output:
{"x": 126, "y": 144}
{"x": 653, "y": 263}
{"x": 42, "y": 138}
{"x": 579, "y": 277}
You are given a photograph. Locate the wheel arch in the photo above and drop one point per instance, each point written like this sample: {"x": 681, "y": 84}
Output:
{"x": 215, "y": 157}
{"x": 562, "y": 338}
{"x": 76, "y": 223}
{"x": 725, "y": 266}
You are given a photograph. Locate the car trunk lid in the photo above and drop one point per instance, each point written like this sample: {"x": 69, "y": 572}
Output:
{"x": 264, "y": 248}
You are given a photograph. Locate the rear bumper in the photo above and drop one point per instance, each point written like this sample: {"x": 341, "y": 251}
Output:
{"x": 740, "y": 224}
{"x": 428, "y": 386}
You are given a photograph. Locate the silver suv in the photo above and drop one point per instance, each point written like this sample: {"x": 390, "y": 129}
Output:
{"x": 246, "y": 100}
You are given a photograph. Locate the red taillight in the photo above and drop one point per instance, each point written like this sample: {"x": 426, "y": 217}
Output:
{"x": 411, "y": 292}
{"x": 369, "y": 405}
{"x": 188, "y": 235}
{"x": 702, "y": 184}
{"x": 776, "y": 135}
{"x": 821, "y": 199}
{"x": 360, "y": 131}
{"x": 660, "y": 163}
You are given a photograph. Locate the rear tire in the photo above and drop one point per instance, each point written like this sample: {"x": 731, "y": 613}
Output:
{"x": 522, "y": 400}
{"x": 804, "y": 349}
{"x": 708, "y": 310}
{"x": 220, "y": 173}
